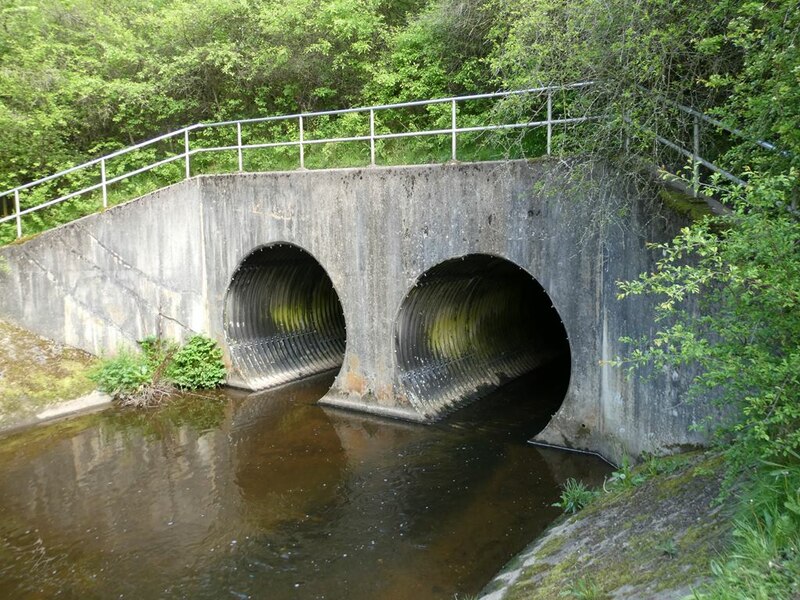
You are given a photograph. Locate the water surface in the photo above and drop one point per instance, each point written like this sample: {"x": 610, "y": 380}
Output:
{"x": 272, "y": 496}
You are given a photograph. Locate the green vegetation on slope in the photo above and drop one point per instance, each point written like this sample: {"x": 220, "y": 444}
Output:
{"x": 650, "y": 534}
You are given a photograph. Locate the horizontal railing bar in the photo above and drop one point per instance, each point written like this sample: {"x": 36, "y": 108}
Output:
{"x": 8, "y": 218}
{"x": 716, "y": 123}
{"x": 212, "y": 149}
{"x": 380, "y": 136}
{"x": 700, "y": 160}
{"x": 140, "y": 145}
{"x": 155, "y": 165}
{"x": 719, "y": 124}
{"x": 97, "y": 161}
{"x": 92, "y": 188}
{"x": 50, "y": 203}
{"x": 372, "y": 137}
{"x": 51, "y": 177}
{"x": 294, "y": 116}
{"x": 528, "y": 124}
{"x": 342, "y": 111}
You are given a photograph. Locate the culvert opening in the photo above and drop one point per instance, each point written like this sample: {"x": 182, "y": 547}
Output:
{"x": 283, "y": 318}
{"x": 471, "y": 325}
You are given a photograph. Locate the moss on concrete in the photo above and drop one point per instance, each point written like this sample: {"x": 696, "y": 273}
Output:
{"x": 36, "y": 373}
{"x": 655, "y": 540}
{"x": 683, "y": 204}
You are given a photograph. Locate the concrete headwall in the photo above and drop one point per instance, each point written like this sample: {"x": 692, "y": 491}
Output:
{"x": 162, "y": 265}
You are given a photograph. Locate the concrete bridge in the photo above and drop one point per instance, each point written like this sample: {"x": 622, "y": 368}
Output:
{"x": 427, "y": 286}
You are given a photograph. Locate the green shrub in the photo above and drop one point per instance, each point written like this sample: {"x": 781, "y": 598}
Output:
{"x": 575, "y": 496}
{"x": 728, "y": 303}
{"x": 157, "y": 351}
{"x": 148, "y": 378}
{"x": 197, "y": 365}
{"x": 126, "y": 373}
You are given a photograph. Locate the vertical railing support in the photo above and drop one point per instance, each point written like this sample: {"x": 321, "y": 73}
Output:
{"x": 453, "y": 128}
{"x": 372, "y": 137}
{"x": 186, "y": 152}
{"x": 103, "y": 182}
{"x": 626, "y": 133}
{"x": 239, "y": 145}
{"x": 19, "y": 217}
{"x": 549, "y": 121}
{"x": 302, "y": 150}
{"x": 696, "y": 157}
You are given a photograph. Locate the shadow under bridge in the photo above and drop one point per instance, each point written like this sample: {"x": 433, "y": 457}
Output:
{"x": 470, "y": 325}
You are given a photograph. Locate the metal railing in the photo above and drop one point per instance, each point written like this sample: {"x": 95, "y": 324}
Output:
{"x": 693, "y": 154}
{"x": 302, "y": 142}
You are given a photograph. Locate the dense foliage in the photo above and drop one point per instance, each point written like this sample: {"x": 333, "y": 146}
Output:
{"x": 742, "y": 272}
{"x": 83, "y": 77}
{"x": 197, "y": 364}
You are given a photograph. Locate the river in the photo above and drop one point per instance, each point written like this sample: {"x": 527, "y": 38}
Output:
{"x": 269, "y": 495}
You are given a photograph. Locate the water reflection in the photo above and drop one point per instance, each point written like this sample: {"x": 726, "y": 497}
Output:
{"x": 271, "y": 496}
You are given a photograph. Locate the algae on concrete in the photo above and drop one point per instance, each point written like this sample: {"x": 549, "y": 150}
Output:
{"x": 36, "y": 373}
{"x": 655, "y": 540}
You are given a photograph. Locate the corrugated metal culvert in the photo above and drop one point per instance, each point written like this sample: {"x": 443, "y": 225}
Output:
{"x": 469, "y": 325}
{"x": 283, "y": 318}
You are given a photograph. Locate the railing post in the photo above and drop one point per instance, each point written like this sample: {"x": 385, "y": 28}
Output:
{"x": 302, "y": 150}
{"x": 372, "y": 137}
{"x": 626, "y": 133}
{"x": 549, "y": 120}
{"x": 453, "y": 126}
{"x": 239, "y": 144}
{"x": 19, "y": 217}
{"x": 696, "y": 157}
{"x": 186, "y": 152}
{"x": 103, "y": 181}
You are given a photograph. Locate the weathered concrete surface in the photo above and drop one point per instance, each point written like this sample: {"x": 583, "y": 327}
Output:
{"x": 92, "y": 401}
{"x": 162, "y": 265}
{"x": 37, "y": 376}
{"x": 649, "y": 542}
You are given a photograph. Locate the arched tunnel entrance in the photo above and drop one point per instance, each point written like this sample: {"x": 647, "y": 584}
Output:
{"x": 470, "y": 325}
{"x": 283, "y": 319}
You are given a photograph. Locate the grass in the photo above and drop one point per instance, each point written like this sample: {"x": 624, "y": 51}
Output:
{"x": 575, "y": 495}
{"x": 583, "y": 589}
{"x": 763, "y": 562}
{"x": 633, "y": 537}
